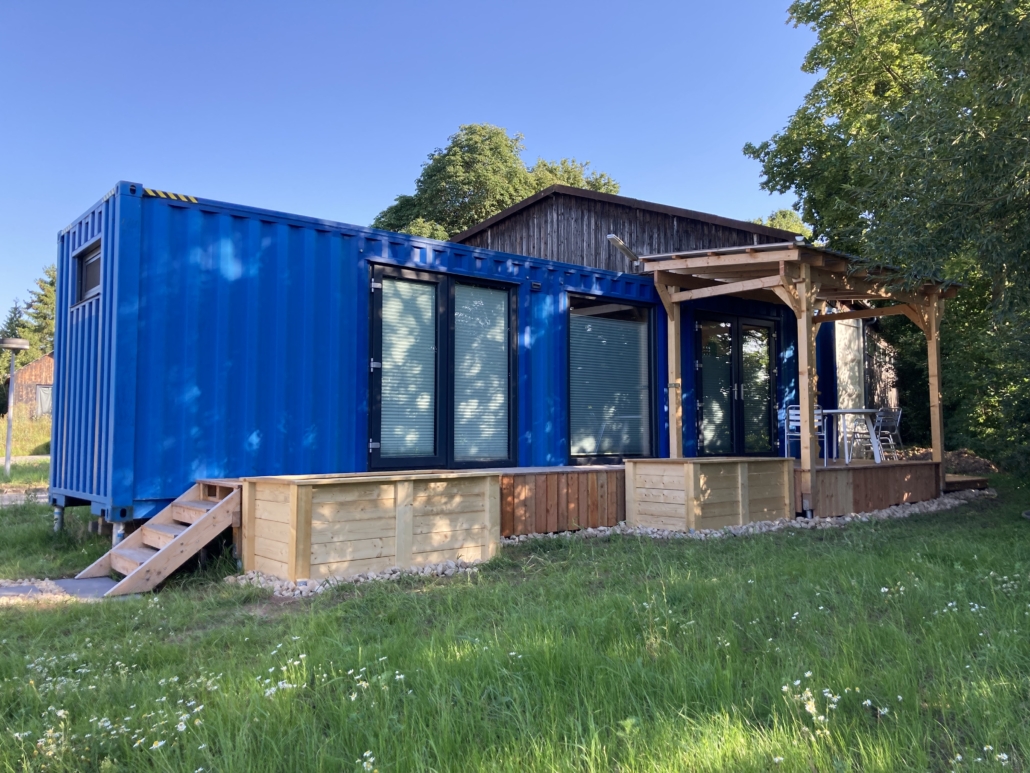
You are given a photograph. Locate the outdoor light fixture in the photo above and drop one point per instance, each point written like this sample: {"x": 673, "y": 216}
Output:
{"x": 14, "y": 345}
{"x": 620, "y": 245}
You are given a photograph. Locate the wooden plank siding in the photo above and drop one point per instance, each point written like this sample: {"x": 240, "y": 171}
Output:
{"x": 566, "y": 499}
{"x": 862, "y": 488}
{"x": 708, "y": 493}
{"x": 572, "y": 226}
{"x": 338, "y": 526}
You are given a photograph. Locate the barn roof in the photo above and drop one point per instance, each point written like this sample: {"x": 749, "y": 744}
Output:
{"x": 582, "y": 193}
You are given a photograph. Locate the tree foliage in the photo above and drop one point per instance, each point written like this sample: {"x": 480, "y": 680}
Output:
{"x": 786, "y": 220}
{"x": 478, "y": 174}
{"x": 34, "y": 322}
{"x": 913, "y": 149}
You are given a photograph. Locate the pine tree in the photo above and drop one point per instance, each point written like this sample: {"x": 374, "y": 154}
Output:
{"x": 37, "y": 320}
{"x": 8, "y": 330}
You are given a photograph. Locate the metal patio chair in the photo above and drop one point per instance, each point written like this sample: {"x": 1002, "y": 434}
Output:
{"x": 792, "y": 430}
{"x": 886, "y": 426}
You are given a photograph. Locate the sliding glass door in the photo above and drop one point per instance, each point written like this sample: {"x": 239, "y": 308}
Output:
{"x": 441, "y": 372}
{"x": 735, "y": 386}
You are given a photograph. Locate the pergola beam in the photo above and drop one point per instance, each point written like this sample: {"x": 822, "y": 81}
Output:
{"x": 718, "y": 261}
{"x": 732, "y": 288}
{"x": 885, "y": 311}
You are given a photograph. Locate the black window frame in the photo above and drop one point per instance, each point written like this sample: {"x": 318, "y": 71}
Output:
{"x": 443, "y": 457}
{"x": 737, "y": 321}
{"x": 653, "y": 391}
{"x": 93, "y": 255}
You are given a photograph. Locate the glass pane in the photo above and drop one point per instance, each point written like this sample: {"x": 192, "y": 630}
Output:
{"x": 44, "y": 400}
{"x": 408, "y": 425}
{"x": 609, "y": 385}
{"x": 480, "y": 373}
{"x": 89, "y": 279}
{"x": 716, "y": 388}
{"x": 756, "y": 386}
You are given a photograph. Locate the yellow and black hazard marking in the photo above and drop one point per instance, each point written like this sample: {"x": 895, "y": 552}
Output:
{"x": 165, "y": 195}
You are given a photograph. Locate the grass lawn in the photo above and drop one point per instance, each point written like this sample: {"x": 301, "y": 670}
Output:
{"x": 29, "y": 547}
{"x": 31, "y": 436}
{"x": 25, "y": 475}
{"x": 882, "y": 647}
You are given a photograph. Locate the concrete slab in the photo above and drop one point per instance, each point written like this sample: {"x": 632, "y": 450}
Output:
{"x": 92, "y": 588}
{"x": 20, "y": 590}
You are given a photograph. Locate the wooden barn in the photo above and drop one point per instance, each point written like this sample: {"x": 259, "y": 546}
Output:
{"x": 33, "y": 386}
{"x": 571, "y": 225}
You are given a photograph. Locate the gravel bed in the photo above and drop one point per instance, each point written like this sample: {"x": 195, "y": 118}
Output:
{"x": 946, "y": 502}
{"x": 307, "y": 588}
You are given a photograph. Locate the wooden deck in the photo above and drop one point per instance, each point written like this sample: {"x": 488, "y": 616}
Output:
{"x": 863, "y": 486}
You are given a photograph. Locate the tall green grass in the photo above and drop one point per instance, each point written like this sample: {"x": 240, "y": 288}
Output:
{"x": 30, "y": 437}
{"x": 26, "y": 475}
{"x": 623, "y": 654}
{"x": 29, "y": 547}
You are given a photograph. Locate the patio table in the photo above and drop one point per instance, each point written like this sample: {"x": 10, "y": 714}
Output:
{"x": 866, "y": 413}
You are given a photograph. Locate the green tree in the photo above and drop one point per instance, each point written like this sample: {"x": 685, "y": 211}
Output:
{"x": 911, "y": 150}
{"x": 38, "y": 315}
{"x": 786, "y": 220}
{"x": 8, "y": 330}
{"x": 478, "y": 174}
{"x": 570, "y": 172}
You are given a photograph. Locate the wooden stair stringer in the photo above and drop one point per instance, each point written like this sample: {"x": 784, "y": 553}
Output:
{"x": 102, "y": 566}
{"x": 160, "y": 566}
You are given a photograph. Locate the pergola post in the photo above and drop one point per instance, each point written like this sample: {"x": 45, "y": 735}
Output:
{"x": 675, "y": 384}
{"x": 806, "y": 384}
{"x": 934, "y": 312}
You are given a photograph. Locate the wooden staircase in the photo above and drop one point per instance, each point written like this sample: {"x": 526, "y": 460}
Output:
{"x": 150, "y": 554}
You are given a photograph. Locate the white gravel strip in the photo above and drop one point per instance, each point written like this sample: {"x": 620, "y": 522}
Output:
{"x": 307, "y": 588}
{"x": 946, "y": 502}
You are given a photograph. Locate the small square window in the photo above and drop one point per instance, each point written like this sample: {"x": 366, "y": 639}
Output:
{"x": 44, "y": 400}
{"x": 89, "y": 275}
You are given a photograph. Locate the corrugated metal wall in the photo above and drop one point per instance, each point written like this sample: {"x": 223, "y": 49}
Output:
{"x": 231, "y": 341}
{"x": 79, "y": 450}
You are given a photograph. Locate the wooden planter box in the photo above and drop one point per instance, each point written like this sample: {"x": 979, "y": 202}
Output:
{"x": 338, "y": 526}
{"x": 708, "y": 493}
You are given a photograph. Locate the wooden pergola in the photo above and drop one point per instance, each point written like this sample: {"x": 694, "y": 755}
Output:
{"x": 808, "y": 279}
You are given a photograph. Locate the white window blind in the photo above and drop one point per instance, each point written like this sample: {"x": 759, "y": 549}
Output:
{"x": 480, "y": 373}
{"x": 609, "y": 386}
{"x": 408, "y": 409}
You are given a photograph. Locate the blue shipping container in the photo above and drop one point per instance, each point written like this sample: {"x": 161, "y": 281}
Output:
{"x": 198, "y": 339}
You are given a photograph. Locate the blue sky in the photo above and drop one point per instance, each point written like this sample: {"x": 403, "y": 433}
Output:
{"x": 329, "y": 109}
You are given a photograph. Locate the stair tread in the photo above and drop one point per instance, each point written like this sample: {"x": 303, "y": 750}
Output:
{"x": 174, "y": 529}
{"x": 195, "y": 504}
{"x": 139, "y": 555}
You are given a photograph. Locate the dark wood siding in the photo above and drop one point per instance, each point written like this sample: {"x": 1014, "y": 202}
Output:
{"x": 26, "y": 378}
{"x": 574, "y": 230}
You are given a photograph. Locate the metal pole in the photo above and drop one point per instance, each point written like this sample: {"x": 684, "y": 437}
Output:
{"x": 10, "y": 421}
{"x": 13, "y": 345}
